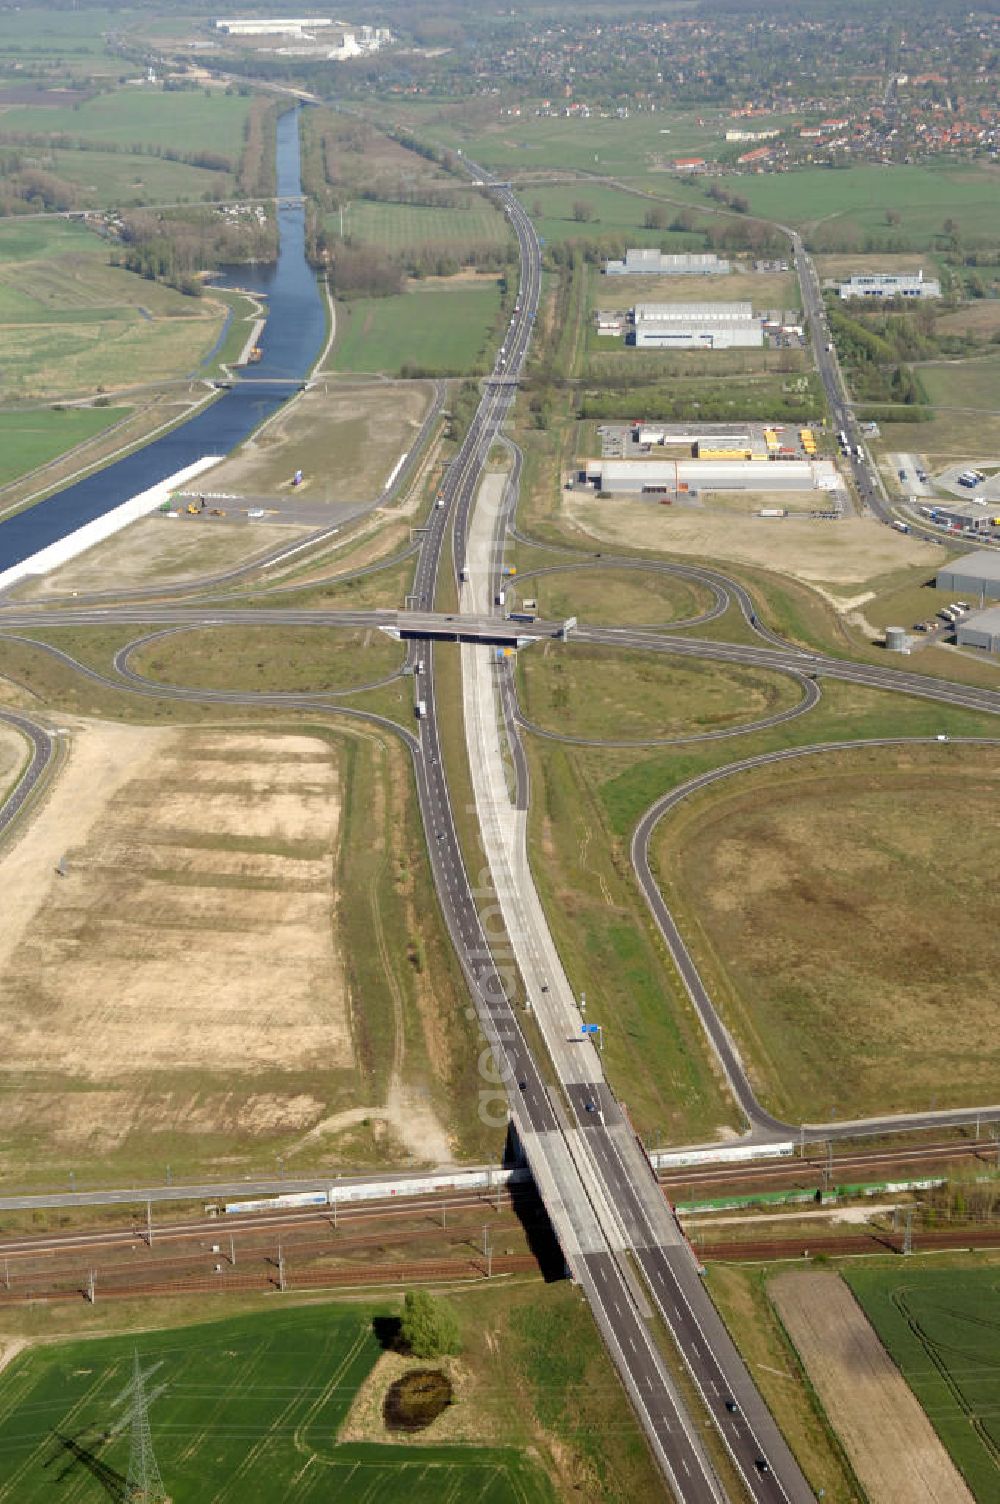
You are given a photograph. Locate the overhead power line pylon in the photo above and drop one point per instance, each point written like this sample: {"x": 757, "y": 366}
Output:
{"x": 143, "y": 1484}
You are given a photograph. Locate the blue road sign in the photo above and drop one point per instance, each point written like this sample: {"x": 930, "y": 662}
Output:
{"x": 590, "y": 1028}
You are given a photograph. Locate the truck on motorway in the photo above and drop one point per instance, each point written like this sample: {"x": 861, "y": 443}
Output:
{"x": 521, "y": 616}
{"x": 901, "y": 527}
{"x": 421, "y": 710}
{"x": 501, "y": 597}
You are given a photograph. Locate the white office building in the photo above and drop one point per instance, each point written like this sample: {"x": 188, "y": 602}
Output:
{"x": 890, "y": 285}
{"x": 648, "y": 262}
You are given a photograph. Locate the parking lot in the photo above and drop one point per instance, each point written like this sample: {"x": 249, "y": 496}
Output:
{"x": 636, "y": 441}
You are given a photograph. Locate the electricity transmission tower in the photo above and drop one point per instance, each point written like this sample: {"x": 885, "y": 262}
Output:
{"x": 143, "y": 1484}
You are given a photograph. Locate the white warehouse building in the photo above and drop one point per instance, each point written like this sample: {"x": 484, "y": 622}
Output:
{"x": 696, "y": 326}
{"x": 702, "y": 313}
{"x": 742, "y": 335}
{"x": 670, "y": 477}
{"x": 890, "y": 285}
{"x": 286, "y": 26}
{"x": 649, "y": 262}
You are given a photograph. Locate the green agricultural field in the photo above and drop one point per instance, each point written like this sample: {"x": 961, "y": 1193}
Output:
{"x": 613, "y": 148}
{"x": 940, "y": 1327}
{"x": 973, "y": 384}
{"x": 612, "y": 213}
{"x": 30, "y": 439}
{"x": 852, "y": 203}
{"x": 122, "y": 179}
{"x": 431, "y": 327}
{"x": 250, "y": 1408}
{"x": 70, "y": 322}
{"x": 34, "y": 240}
{"x": 404, "y": 227}
{"x": 186, "y": 120}
{"x": 38, "y": 33}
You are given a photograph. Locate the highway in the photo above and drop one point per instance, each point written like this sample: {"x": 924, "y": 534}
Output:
{"x": 867, "y": 481}
{"x": 597, "y": 1185}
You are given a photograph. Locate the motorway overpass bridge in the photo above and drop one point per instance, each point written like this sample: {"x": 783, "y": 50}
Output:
{"x": 494, "y": 631}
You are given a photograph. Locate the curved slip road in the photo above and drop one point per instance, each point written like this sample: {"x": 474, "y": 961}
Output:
{"x": 42, "y": 745}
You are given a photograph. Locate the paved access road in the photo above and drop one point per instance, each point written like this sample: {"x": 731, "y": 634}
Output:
{"x": 42, "y": 742}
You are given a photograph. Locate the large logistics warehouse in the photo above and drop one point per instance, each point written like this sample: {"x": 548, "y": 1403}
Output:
{"x": 742, "y": 335}
{"x": 648, "y": 262}
{"x": 976, "y": 575}
{"x": 687, "y": 313}
{"x": 696, "y": 326}
{"x": 670, "y": 477}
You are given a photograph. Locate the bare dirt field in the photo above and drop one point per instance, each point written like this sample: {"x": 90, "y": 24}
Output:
{"x": 897, "y": 262}
{"x": 187, "y": 960}
{"x": 848, "y": 552}
{"x": 13, "y": 751}
{"x": 981, "y": 319}
{"x": 762, "y": 289}
{"x": 750, "y": 502}
{"x": 162, "y": 548}
{"x": 892, "y": 1446}
{"x": 345, "y": 438}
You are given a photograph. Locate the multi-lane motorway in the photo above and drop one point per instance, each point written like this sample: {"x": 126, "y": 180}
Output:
{"x": 867, "y": 481}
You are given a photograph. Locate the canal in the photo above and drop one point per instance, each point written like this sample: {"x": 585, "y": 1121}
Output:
{"x": 292, "y": 339}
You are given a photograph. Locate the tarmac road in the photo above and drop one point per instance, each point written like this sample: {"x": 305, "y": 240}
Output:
{"x": 867, "y": 480}
{"x": 43, "y": 746}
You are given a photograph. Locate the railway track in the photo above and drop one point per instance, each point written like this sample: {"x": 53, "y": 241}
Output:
{"x": 809, "y": 1173}
{"x": 842, "y": 1245}
{"x": 289, "y": 1277}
